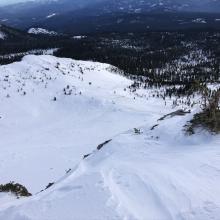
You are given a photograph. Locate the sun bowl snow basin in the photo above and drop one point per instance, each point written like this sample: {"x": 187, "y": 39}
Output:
{"x": 99, "y": 145}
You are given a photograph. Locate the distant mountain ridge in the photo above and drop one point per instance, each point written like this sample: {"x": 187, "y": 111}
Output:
{"x": 61, "y": 15}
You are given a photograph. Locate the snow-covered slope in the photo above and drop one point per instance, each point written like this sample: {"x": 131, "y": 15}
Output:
{"x": 35, "y": 126}
{"x": 54, "y": 111}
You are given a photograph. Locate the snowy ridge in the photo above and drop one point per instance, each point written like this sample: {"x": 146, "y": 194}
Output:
{"x": 156, "y": 173}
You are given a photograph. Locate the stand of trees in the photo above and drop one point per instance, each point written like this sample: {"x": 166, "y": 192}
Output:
{"x": 156, "y": 58}
{"x": 175, "y": 60}
{"x": 209, "y": 118}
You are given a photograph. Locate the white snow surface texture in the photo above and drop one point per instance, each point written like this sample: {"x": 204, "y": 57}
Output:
{"x": 55, "y": 110}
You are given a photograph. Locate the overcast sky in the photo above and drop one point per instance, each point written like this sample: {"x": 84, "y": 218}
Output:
{"x": 6, "y": 2}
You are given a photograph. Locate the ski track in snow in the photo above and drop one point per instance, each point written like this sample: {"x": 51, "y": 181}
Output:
{"x": 159, "y": 174}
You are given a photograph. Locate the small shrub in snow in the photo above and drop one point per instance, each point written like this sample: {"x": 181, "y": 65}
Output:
{"x": 86, "y": 155}
{"x": 137, "y": 131}
{"x": 67, "y": 171}
{"x": 100, "y": 146}
{"x": 49, "y": 185}
{"x": 15, "y": 188}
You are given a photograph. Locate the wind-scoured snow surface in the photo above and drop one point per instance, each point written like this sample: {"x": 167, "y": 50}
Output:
{"x": 53, "y": 111}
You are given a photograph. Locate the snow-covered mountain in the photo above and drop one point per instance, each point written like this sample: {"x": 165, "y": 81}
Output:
{"x": 42, "y": 31}
{"x": 56, "y": 111}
